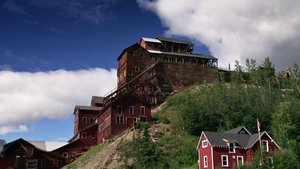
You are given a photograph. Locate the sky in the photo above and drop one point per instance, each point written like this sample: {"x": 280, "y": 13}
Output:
{"x": 57, "y": 54}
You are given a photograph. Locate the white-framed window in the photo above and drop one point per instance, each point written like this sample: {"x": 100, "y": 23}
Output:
{"x": 231, "y": 147}
{"x": 65, "y": 154}
{"x": 265, "y": 144}
{"x": 142, "y": 110}
{"x": 224, "y": 160}
{"x": 92, "y": 120}
{"x": 119, "y": 119}
{"x": 205, "y": 161}
{"x": 270, "y": 161}
{"x": 84, "y": 120}
{"x": 239, "y": 160}
{"x": 131, "y": 110}
{"x": 84, "y": 135}
{"x": 204, "y": 143}
{"x": 119, "y": 109}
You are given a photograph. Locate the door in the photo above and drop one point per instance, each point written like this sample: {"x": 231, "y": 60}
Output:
{"x": 239, "y": 160}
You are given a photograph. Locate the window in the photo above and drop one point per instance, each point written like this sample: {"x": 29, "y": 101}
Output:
{"x": 205, "y": 162}
{"x": 73, "y": 154}
{"x": 204, "y": 143}
{"x": 231, "y": 148}
{"x": 136, "y": 68}
{"x": 84, "y": 120}
{"x": 239, "y": 160}
{"x": 119, "y": 119}
{"x": 242, "y": 132}
{"x": 130, "y": 73}
{"x": 84, "y": 135}
{"x": 142, "y": 110}
{"x": 92, "y": 120}
{"x": 119, "y": 109}
{"x": 265, "y": 144}
{"x": 224, "y": 159}
{"x": 270, "y": 162}
{"x": 65, "y": 155}
{"x": 131, "y": 110}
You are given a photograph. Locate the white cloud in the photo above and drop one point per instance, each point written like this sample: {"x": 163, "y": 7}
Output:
{"x": 27, "y": 97}
{"x": 13, "y": 128}
{"x": 236, "y": 29}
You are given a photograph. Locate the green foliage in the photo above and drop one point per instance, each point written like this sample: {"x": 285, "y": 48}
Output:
{"x": 144, "y": 153}
{"x": 285, "y": 124}
{"x": 172, "y": 151}
{"x": 286, "y": 159}
{"x": 157, "y": 117}
{"x": 220, "y": 107}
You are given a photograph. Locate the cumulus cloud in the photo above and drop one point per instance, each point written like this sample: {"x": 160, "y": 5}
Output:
{"x": 236, "y": 29}
{"x": 27, "y": 97}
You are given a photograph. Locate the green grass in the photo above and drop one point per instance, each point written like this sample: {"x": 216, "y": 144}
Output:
{"x": 85, "y": 158}
{"x": 195, "y": 166}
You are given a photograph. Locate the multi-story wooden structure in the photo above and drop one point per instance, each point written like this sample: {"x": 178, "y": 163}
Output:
{"x": 171, "y": 61}
{"x": 85, "y": 131}
{"x": 121, "y": 114}
{"x": 233, "y": 148}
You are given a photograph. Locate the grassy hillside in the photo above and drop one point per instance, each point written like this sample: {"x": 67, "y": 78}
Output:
{"x": 214, "y": 107}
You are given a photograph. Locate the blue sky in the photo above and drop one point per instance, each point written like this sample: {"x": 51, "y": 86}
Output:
{"x": 39, "y": 38}
{"x": 57, "y": 54}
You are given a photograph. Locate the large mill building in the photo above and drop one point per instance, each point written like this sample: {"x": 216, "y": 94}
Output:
{"x": 154, "y": 68}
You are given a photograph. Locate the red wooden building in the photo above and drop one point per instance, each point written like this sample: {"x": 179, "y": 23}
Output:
{"x": 22, "y": 155}
{"x": 166, "y": 65}
{"x": 232, "y": 148}
{"x": 121, "y": 114}
{"x": 85, "y": 132}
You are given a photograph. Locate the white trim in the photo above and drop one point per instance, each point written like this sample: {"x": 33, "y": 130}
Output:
{"x": 227, "y": 161}
{"x": 204, "y": 141}
{"x": 119, "y": 106}
{"x": 131, "y": 107}
{"x": 272, "y": 140}
{"x": 267, "y": 144}
{"x": 212, "y": 157}
{"x": 232, "y": 147}
{"x": 246, "y": 130}
{"x": 199, "y": 142}
{"x": 205, "y": 162}
{"x": 144, "y": 110}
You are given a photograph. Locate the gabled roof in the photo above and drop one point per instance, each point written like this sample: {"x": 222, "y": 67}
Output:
{"x": 48, "y": 145}
{"x": 222, "y": 139}
{"x": 22, "y": 143}
{"x": 90, "y": 108}
{"x": 237, "y": 130}
{"x": 216, "y": 139}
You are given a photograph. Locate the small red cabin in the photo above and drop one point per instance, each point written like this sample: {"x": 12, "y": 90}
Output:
{"x": 232, "y": 148}
{"x": 121, "y": 114}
